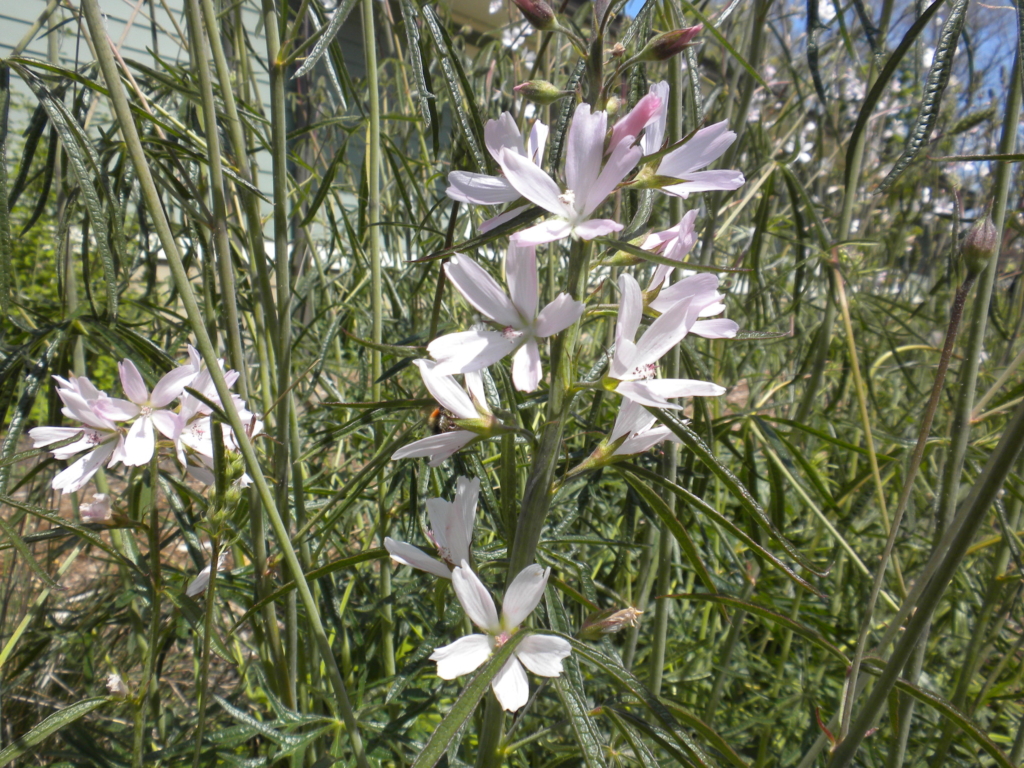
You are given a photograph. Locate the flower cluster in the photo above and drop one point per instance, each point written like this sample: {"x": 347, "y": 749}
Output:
{"x": 598, "y": 161}
{"x": 125, "y": 431}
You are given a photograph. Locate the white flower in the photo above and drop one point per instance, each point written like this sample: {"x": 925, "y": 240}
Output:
{"x": 522, "y": 323}
{"x": 650, "y": 113}
{"x": 541, "y": 654}
{"x": 634, "y": 365}
{"x": 100, "y": 436}
{"x": 451, "y": 531}
{"x": 116, "y": 686}
{"x": 673, "y": 243}
{"x": 589, "y": 184}
{"x": 149, "y": 408}
{"x": 202, "y": 580}
{"x": 702, "y": 290}
{"x": 98, "y": 511}
{"x": 706, "y": 146}
{"x": 654, "y": 136}
{"x": 460, "y": 411}
{"x": 640, "y": 429}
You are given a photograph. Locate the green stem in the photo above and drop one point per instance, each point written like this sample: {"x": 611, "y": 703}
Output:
{"x": 148, "y": 686}
{"x": 204, "y": 665}
{"x": 129, "y": 131}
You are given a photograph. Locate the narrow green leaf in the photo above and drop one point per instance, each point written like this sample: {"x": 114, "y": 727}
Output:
{"x": 465, "y": 705}
{"x": 655, "y": 258}
{"x": 710, "y": 27}
{"x": 50, "y": 725}
{"x": 338, "y": 17}
{"x": 6, "y": 266}
{"x": 412, "y": 36}
{"x": 575, "y": 707}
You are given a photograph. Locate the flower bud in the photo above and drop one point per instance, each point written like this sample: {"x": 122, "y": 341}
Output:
{"x": 540, "y": 92}
{"x": 667, "y": 45}
{"x": 116, "y": 686}
{"x": 538, "y": 13}
{"x": 608, "y": 621}
{"x": 981, "y": 243}
{"x": 98, "y": 511}
{"x": 613, "y": 105}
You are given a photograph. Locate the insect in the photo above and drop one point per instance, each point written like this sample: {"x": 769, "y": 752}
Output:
{"x": 441, "y": 420}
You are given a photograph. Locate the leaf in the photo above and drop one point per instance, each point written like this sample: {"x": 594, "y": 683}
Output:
{"x": 465, "y": 705}
{"x": 655, "y": 258}
{"x": 796, "y": 627}
{"x": 725, "y": 43}
{"x": 695, "y": 444}
{"x": 338, "y": 18}
{"x": 50, "y": 725}
{"x": 412, "y": 36}
{"x": 6, "y": 267}
{"x": 935, "y": 87}
{"x": 641, "y": 752}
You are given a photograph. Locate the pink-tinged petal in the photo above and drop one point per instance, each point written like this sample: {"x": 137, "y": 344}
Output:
{"x": 720, "y": 328}
{"x": 86, "y": 389}
{"x": 476, "y": 601}
{"x": 584, "y": 149}
{"x": 545, "y": 232}
{"x": 665, "y": 332}
{"x": 700, "y": 290}
{"x": 622, "y": 161}
{"x": 623, "y": 361}
{"x": 502, "y": 133}
{"x": 677, "y": 242}
{"x": 538, "y": 139}
{"x": 588, "y": 230}
{"x": 479, "y": 189}
{"x": 437, "y": 447}
{"x": 522, "y": 595}
{"x": 632, "y": 417}
{"x": 481, "y": 290}
{"x": 467, "y": 494}
{"x": 42, "y": 436}
{"x": 199, "y": 583}
{"x": 684, "y": 388}
{"x": 171, "y": 385}
{"x": 706, "y": 146}
{"x": 470, "y": 351}
{"x": 532, "y": 183}
{"x": 644, "y": 441}
{"x": 407, "y": 554}
{"x": 501, "y": 218}
{"x": 475, "y": 387}
{"x": 558, "y": 315}
{"x": 706, "y": 181}
{"x": 79, "y": 409}
{"x": 713, "y": 309}
{"x": 631, "y": 304}
{"x": 655, "y": 133}
{"x": 446, "y": 390}
{"x": 463, "y": 656}
{"x": 118, "y": 454}
{"x": 639, "y": 117}
{"x": 510, "y": 686}
{"x": 76, "y": 476}
{"x": 132, "y": 383}
{"x": 115, "y": 409}
{"x": 194, "y": 358}
{"x": 521, "y": 275}
{"x": 138, "y": 445}
{"x": 438, "y": 512}
{"x": 169, "y": 424}
{"x": 639, "y": 392}
{"x": 526, "y": 367}
{"x": 543, "y": 654}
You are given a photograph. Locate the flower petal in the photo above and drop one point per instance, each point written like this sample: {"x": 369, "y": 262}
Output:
{"x": 199, "y": 583}
{"x": 407, "y": 554}
{"x": 526, "y": 367}
{"x": 640, "y": 392}
{"x": 639, "y": 117}
{"x": 502, "y": 133}
{"x": 584, "y": 149}
{"x": 76, "y": 407}
{"x": 621, "y": 162}
{"x": 171, "y": 385}
{"x": 168, "y": 423}
{"x": 496, "y": 221}
{"x": 665, "y": 332}
{"x": 531, "y": 182}
{"x": 558, "y": 315}
{"x": 543, "y": 654}
{"x": 436, "y": 447}
{"x": 535, "y": 144}
{"x": 115, "y": 409}
{"x": 632, "y": 417}
{"x": 467, "y": 494}
{"x": 592, "y": 228}
{"x": 132, "y": 383}
{"x": 546, "y": 232}
{"x": 706, "y": 146}
{"x": 720, "y": 328}
{"x": 702, "y": 289}
{"x": 138, "y": 445}
{"x": 461, "y": 657}
{"x": 469, "y": 351}
{"x": 446, "y": 390}
{"x": 521, "y": 275}
{"x": 705, "y": 181}
{"x": 655, "y": 133}
{"x": 630, "y": 306}
{"x": 644, "y": 441}
{"x": 510, "y": 686}
{"x": 481, "y": 290}
{"x": 523, "y": 594}
{"x": 475, "y": 387}
{"x": 684, "y": 388}
{"x": 480, "y": 189}
{"x": 78, "y": 474}
{"x": 475, "y": 599}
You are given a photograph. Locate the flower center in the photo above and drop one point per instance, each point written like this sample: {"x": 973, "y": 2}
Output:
{"x": 644, "y": 372}
{"x": 568, "y": 198}
{"x": 145, "y": 411}
{"x": 501, "y": 639}
{"x": 510, "y": 334}
{"x": 93, "y": 438}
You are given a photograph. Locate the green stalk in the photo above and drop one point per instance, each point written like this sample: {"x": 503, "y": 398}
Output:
{"x": 125, "y": 121}
{"x": 372, "y": 162}
{"x": 148, "y": 687}
{"x": 204, "y": 664}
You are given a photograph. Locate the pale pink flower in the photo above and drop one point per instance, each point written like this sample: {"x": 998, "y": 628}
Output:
{"x": 451, "y": 532}
{"x": 468, "y": 412}
{"x": 640, "y": 428}
{"x": 541, "y": 654}
{"x": 654, "y": 135}
{"x": 673, "y": 243}
{"x": 649, "y": 113}
{"x": 634, "y": 365}
{"x": 522, "y": 324}
{"x": 98, "y": 511}
{"x": 702, "y": 290}
{"x": 589, "y": 183}
{"x": 683, "y": 163}
{"x": 202, "y": 580}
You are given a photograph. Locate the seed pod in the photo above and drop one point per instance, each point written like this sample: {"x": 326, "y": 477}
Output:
{"x": 981, "y": 243}
{"x": 668, "y": 44}
{"x": 538, "y": 13}
{"x": 541, "y": 92}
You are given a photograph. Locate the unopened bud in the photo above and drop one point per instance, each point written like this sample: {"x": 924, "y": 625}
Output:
{"x": 541, "y": 92}
{"x": 667, "y": 45}
{"x": 116, "y": 686}
{"x": 981, "y": 243}
{"x": 608, "y": 621}
{"x": 613, "y": 105}
{"x": 538, "y": 13}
